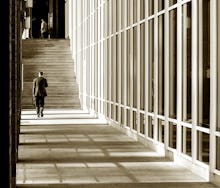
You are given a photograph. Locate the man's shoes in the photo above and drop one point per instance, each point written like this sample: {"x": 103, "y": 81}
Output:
{"x": 42, "y": 115}
{"x": 38, "y": 115}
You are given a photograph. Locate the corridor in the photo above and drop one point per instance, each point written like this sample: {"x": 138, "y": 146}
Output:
{"x": 73, "y": 148}
{"x": 133, "y": 96}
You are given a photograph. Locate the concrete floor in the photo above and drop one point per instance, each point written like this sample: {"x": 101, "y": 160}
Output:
{"x": 71, "y": 148}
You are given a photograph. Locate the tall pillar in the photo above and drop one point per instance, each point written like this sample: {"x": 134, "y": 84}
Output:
{"x": 10, "y": 97}
{"x": 4, "y": 81}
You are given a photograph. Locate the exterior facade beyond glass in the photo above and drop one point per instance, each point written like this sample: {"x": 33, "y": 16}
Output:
{"x": 153, "y": 67}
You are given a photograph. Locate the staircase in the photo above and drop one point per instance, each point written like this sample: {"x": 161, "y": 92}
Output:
{"x": 53, "y": 57}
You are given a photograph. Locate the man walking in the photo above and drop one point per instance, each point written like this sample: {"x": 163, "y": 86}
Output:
{"x": 39, "y": 93}
{"x": 43, "y": 29}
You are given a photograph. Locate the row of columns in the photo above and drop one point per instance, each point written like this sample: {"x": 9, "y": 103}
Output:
{"x": 106, "y": 95}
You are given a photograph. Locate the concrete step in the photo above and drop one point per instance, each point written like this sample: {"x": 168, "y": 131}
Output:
{"x": 53, "y": 106}
{"x": 46, "y": 52}
{"x": 61, "y": 99}
{"x": 52, "y": 79}
{"x": 46, "y": 43}
{"x": 52, "y": 67}
{"x": 33, "y": 61}
{"x": 49, "y": 73}
{"x": 48, "y": 56}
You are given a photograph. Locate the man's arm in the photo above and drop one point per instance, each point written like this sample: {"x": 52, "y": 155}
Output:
{"x": 46, "y": 84}
{"x": 33, "y": 89}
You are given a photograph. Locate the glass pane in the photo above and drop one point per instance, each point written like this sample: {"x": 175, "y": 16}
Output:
{"x": 161, "y": 65}
{"x": 173, "y": 63}
{"x": 108, "y": 69}
{"x": 128, "y": 67}
{"x": 150, "y": 7}
{"x": 108, "y": 18}
{"x": 203, "y": 147}
{"x": 96, "y": 105}
{"x": 122, "y": 13}
{"x": 186, "y": 59}
{"x": 151, "y": 66}
{"x": 172, "y": 2}
{"x": 142, "y": 9}
{"x": 108, "y": 110}
{"x": 217, "y": 153}
{"x": 113, "y": 72}
{"x": 142, "y": 128}
{"x": 172, "y": 135}
{"x": 88, "y": 72}
{"x": 118, "y": 14}
{"x": 113, "y": 9}
{"x": 204, "y": 67}
{"x": 135, "y": 11}
{"x": 96, "y": 27}
{"x": 160, "y": 5}
{"x": 134, "y": 120}
{"x": 112, "y": 111}
{"x": 186, "y": 141}
{"x": 123, "y": 50}
{"x": 117, "y": 73}
{"x": 128, "y": 12}
{"x": 122, "y": 116}
{"x": 96, "y": 4}
{"x": 135, "y": 67}
{"x": 142, "y": 67}
{"x": 161, "y": 130}
{"x": 128, "y": 118}
{"x": 116, "y": 113}
{"x": 150, "y": 127}
{"x": 96, "y": 70}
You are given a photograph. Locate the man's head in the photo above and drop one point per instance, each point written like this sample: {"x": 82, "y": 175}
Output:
{"x": 40, "y": 74}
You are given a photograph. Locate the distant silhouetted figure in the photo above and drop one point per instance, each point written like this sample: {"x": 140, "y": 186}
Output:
{"x": 43, "y": 29}
{"x": 39, "y": 93}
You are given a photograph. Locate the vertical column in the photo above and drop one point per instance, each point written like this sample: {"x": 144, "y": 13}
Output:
{"x": 166, "y": 75}
{"x": 213, "y": 82}
{"x": 200, "y": 61}
{"x": 119, "y": 62}
{"x": 125, "y": 61}
{"x": 138, "y": 67}
{"x": 92, "y": 56}
{"x": 110, "y": 57}
{"x": 106, "y": 57}
{"x": 74, "y": 29}
{"x": 146, "y": 70}
{"x": 70, "y": 23}
{"x": 84, "y": 54}
{"x": 102, "y": 61}
{"x": 194, "y": 78}
{"x": 5, "y": 149}
{"x": 131, "y": 65}
{"x": 66, "y": 19}
{"x": 105, "y": 87}
{"x": 91, "y": 51}
{"x": 155, "y": 73}
{"x": 114, "y": 58}
{"x": 179, "y": 75}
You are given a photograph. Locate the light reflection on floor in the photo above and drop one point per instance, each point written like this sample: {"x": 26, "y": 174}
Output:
{"x": 80, "y": 150}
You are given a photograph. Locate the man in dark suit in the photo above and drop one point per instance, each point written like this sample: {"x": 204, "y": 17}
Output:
{"x": 39, "y": 93}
